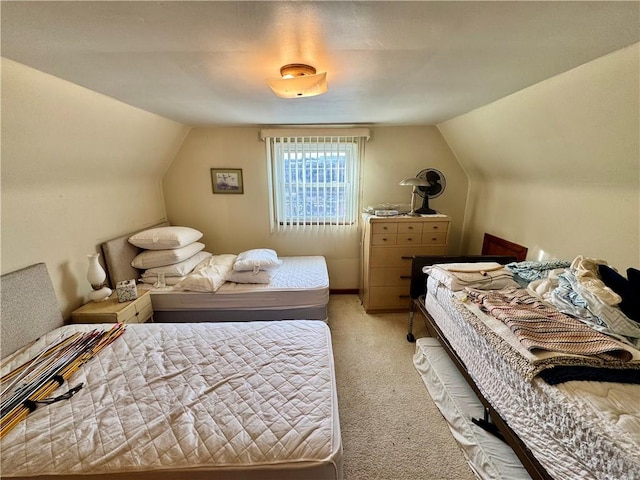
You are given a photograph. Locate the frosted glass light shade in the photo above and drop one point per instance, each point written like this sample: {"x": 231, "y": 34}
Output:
{"x": 296, "y": 87}
{"x": 298, "y": 80}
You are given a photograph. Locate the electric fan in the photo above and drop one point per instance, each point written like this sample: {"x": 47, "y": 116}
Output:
{"x": 437, "y": 184}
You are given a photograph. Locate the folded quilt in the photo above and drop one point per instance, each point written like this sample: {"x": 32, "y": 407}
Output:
{"x": 552, "y": 366}
{"x": 481, "y": 275}
{"x": 540, "y": 326}
{"x": 209, "y": 275}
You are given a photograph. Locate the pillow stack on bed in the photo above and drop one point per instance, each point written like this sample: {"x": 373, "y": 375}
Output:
{"x": 174, "y": 251}
{"x": 255, "y": 266}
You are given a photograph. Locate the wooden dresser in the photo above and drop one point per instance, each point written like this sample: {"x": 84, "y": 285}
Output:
{"x": 388, "y": 246}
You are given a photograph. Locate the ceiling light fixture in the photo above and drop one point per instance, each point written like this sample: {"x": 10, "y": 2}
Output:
{"x": 299, "y": 80}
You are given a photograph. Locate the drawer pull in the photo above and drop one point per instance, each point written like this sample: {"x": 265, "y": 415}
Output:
{"x": 384, "y": 239}
{"x": 405, "y": 277}
{"x": 403, "y": 296}
{"x": 407, "y": 258}
{"x": 435, "y": 227}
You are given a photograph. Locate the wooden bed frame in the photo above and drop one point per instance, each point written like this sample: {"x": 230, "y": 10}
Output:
{"x": 492, "y": 245}
{"x": 492, "y": 421}
{"x": 494, "y": 250}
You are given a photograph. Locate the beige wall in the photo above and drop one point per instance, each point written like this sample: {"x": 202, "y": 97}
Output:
{"x": 78, "y": 168}
{"x": 556, "y": 167}
{"x": 233, "y": 223}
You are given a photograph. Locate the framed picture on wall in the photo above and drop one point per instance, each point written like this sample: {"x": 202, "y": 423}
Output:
{"x": 227, "y": 180}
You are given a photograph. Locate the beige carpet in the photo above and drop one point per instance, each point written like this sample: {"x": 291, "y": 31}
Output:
{"x": 391, "y": 429}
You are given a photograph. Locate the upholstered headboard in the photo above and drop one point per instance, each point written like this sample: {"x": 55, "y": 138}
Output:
{"x": 118, "y": 254}
{"x": 29, "y": 307}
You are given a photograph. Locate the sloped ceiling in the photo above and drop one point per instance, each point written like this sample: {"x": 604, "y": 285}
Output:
{"x": 388, "y": 62}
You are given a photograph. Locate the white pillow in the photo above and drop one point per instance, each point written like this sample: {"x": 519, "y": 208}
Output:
{"x": 161, "y": 258}
{"x": 262, "y": 276}
{"x": 257, "y": 259}
{"x": 164, "y": 238}
{"x": 170, "y": 281}
{"x": 179, "y": 269}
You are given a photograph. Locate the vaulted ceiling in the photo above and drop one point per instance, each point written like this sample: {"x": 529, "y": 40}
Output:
{"x": 387, "y": 62}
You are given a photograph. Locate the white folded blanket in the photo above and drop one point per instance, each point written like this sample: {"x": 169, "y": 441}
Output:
{"x": 209, "y": 275}
{"x": 480, "y": 275}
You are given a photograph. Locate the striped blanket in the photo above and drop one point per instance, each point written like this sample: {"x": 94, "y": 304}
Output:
{"x": 540, "y": 326}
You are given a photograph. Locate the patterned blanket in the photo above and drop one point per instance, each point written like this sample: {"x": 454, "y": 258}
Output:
{"x": 540, "y": 326}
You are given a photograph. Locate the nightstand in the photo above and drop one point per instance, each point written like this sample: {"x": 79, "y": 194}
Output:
{"x": 112, "y": 311}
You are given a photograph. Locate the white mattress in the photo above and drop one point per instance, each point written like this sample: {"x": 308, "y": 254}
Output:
{"x": 300, "y": 282}
{"x": 577, "y": 430}
{"x": 489, "y": 457}
{"x": 210, "y": 400}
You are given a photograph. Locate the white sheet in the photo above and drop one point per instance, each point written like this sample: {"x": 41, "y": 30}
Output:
{"x": 211, "y": 400}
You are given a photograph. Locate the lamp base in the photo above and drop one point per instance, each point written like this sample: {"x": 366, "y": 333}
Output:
{"x": 100, "y": 295}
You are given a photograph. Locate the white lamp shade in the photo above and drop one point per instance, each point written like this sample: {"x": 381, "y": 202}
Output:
{"x": 296, "y": 87}
{"x": 415, "y": 182}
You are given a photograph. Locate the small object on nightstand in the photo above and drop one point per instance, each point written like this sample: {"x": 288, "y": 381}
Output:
{"x": 126, "y": 290}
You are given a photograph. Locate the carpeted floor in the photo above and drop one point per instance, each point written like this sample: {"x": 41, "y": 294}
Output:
{"x": 391, "y": 429}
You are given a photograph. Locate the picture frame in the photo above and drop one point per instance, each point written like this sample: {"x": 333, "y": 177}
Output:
{"x": 227, "y": 180}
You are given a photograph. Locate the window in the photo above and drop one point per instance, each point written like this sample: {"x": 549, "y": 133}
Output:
{"x": 314, "y": 180}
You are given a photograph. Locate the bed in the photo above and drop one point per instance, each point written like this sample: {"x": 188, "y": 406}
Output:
{"x": 299, "y": 290}
{"x": 232, "y": 400}
{"x": 576, "y": 429}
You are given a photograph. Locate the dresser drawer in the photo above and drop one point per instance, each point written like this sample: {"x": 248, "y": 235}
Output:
{"x": 435, "y": 227}
{"x": 138, "y": 312}
{"x": 410, "y": 227}
{"x": 384, "y": 227}
{"x": 409, "y": 239}
{"x": 392, "y": 276}
{"x": 384, "y": 239}
{"x": 434, "y": 238}
{"x": 401, "y": 256}
{"x": 390, "y": 297}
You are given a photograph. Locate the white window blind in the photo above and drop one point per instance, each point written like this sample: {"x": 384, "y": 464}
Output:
{"x": 314, "y": 176}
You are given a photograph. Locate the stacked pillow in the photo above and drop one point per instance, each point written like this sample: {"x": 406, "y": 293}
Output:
{"x": 174, "y": 251}
{"x": 255, "y": 266}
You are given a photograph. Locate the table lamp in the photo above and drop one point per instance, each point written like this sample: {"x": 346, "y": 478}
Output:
{"x": 414, "y": 182}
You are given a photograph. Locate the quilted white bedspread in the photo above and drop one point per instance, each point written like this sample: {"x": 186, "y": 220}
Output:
{"x": 214, "y": 400}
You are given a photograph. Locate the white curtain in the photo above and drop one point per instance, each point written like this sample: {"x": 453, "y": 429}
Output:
{"x": 330, "y": 183}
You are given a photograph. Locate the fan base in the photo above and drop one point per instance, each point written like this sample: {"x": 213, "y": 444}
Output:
{"x": 425, "y": 211}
